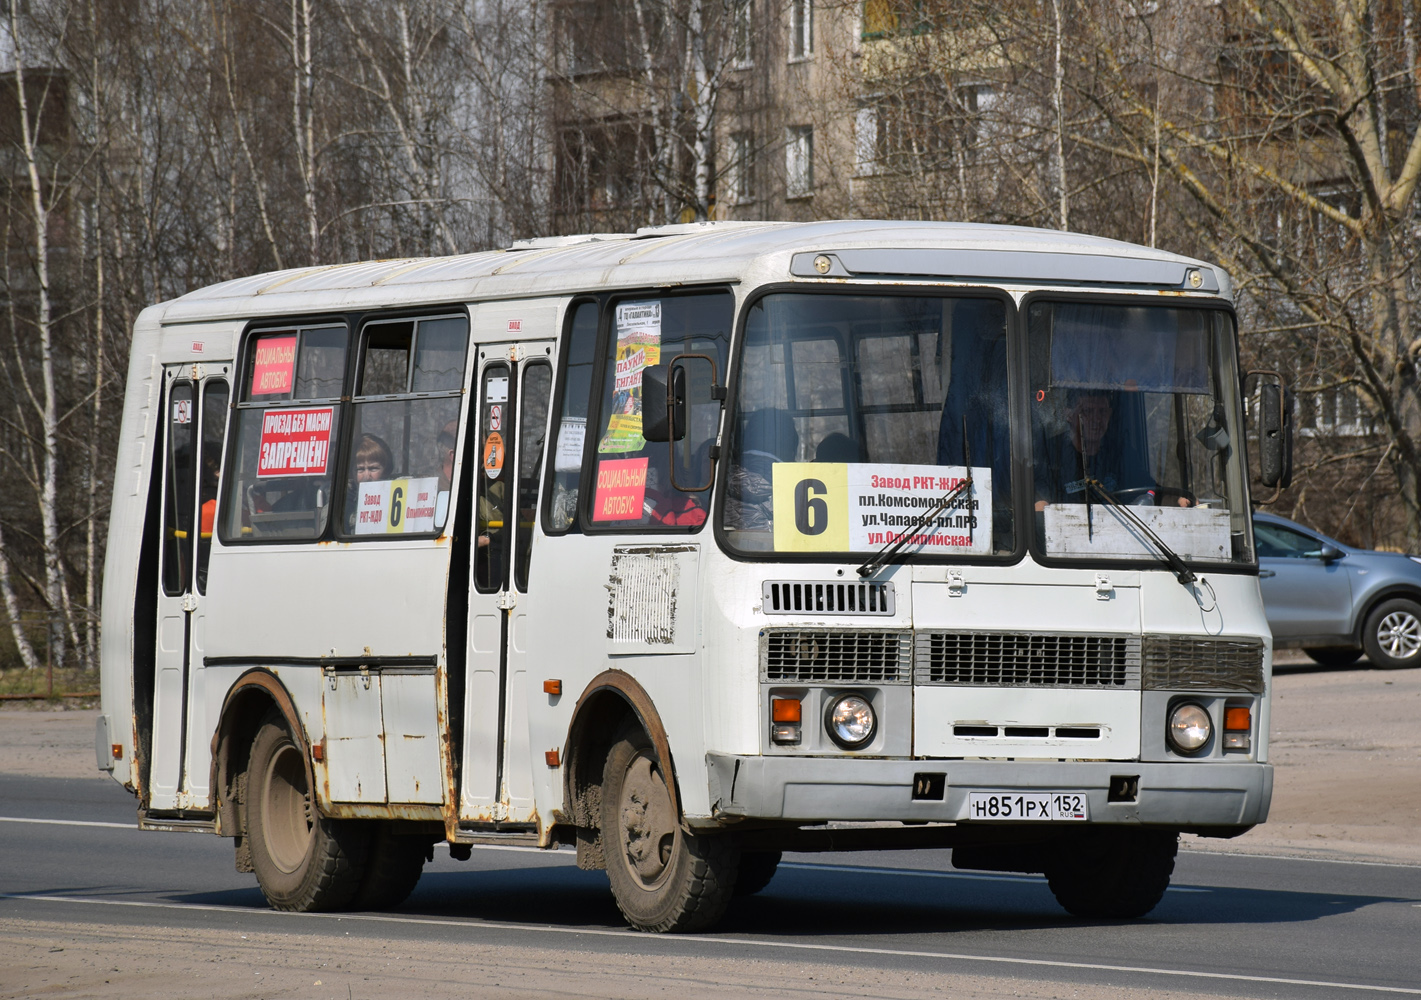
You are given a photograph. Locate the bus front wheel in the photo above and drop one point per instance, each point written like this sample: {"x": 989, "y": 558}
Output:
{"x": 1113, "y": 873}
{"x": 664, "y": 878}
{"x": 303, "y": 861}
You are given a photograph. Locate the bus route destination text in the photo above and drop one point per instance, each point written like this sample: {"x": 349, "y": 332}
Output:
{"x": 295, "y": 442}
{"x": 832, "y": 507}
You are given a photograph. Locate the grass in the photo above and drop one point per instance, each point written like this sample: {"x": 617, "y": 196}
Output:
{"x": 19, "y": 681}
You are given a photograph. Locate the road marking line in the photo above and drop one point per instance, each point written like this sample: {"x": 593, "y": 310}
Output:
{"x": 631, "y": 935}
{"x": 918, "y": 873}
{"x": 68, "y": 822}
{"x": 1294, "y": 857}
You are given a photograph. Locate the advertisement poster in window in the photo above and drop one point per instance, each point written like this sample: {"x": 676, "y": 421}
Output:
{"x": 638, "y": 345}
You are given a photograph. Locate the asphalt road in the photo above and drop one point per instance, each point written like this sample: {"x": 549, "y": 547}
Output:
{"x": 1230, "y": 924}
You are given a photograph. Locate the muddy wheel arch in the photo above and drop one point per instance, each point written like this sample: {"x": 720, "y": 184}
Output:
{"x": 609, "y": 697}
{"x": 246, "y": 703}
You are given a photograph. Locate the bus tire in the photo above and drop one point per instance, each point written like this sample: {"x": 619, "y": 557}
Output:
{"x": 1118, "y": 874}
{"x": 303, "y": 861}
{"x": 664, "y": 878}
{"x": 757, "y": 868}
{"x": 392, "y": 869}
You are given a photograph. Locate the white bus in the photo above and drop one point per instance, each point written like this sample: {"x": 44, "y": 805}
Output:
{"x": 689, "y": 547}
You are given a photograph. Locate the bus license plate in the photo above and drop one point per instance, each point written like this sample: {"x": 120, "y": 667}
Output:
{"x": 1028, "y": 805}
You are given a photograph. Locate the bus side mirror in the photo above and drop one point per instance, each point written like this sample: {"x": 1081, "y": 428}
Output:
{"x": 663, "y": 409}
{"x": 1275, "y": 436}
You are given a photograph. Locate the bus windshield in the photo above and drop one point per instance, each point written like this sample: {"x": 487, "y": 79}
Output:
{"x": 857, "y": 414}
{"x": 1133, "y": 407}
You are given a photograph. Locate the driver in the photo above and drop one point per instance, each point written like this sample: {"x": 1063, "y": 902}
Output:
{"x": 1093, "y": 446}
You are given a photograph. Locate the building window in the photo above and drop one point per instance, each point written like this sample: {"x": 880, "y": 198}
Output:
{"x": 866, "y": 140}
{"x": 740, "y": 183}
{"x": 799, "y": 162}
{"x": 741, "y": 20}
{"x": 801, "y": 29}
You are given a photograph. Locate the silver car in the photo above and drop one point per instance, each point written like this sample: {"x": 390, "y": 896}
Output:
{"x": 1335, "y": 601}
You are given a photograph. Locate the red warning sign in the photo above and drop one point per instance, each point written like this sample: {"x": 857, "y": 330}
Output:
{"x": 273, "y": 365}
{"x": 493, "y": 454}
{"x": 295, "y": 442}
{"x": 621, "y": 490}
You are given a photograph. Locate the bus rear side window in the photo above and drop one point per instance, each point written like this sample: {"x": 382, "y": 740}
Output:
{"x": 406, "y": 424}
{"x": 287, "y": 427}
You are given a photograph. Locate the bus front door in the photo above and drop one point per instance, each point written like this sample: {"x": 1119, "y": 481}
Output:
{"x": 195, "y": 411}
{"x": 509, "y": 422}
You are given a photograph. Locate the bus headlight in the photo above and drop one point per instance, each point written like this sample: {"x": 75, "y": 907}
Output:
{"x": 851, "y": 721}
{"x": 1189, "y": 728}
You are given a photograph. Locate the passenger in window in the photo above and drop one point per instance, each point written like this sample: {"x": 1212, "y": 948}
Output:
{"x": 444, "y": 447}
{"x": 664, "y": 504}
{"x": 839, "y": 448}
{"x": 373, "y": 460}
{"x": 1095, "y": 445}
{"x": 769, "y": 437}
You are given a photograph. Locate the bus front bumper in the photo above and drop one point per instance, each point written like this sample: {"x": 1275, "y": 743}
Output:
{"x": 1217, "y": 795}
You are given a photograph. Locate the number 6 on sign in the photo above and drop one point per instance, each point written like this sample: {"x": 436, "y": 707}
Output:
{"x": 810, "y": 506}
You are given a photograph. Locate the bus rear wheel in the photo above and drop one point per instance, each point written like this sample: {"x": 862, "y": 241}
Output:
{"x": 1116, "y": 874}
{"x": 664, "y": 878}
{"x": 303, "y": 861}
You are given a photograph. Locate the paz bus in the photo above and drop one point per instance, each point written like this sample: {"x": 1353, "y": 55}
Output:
{"x": 689, "y": 547}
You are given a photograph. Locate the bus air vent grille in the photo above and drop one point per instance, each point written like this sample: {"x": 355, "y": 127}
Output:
{"x": 835, "y": 597}
{"x": 1196, "y": 663}
{"x": 1027, "y": 659}
{"x": 821, "y": 656}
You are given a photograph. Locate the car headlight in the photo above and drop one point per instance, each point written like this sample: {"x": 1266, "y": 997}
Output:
{"x": 851, "y": 721}
{"x": 1189, "y": 728}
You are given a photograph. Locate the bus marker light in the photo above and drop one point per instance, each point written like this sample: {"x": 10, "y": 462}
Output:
{"x": 117, "y": 751}
{"x": 785, "y": 710}
{"x": 318, "y": 751}
{"x": 553, "y": 758}
{"x": 552, "y": 687}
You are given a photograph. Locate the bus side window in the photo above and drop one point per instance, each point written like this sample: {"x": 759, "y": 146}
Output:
{"x": 405, "y": 425}
{"x": 632, "y": 482}
{"x": 178, "y": 489}
{"x": 287, "y": 426}
{"x": 532, "y": 425}
{"x": 578, "y": 353}
{"x": 214, "y": 429}
{"x": 491, "y": 510}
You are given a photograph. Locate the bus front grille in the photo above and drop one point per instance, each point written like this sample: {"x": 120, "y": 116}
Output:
{"x": 1190, "y": 663}
{"x": 823, "y": 656}
{"x": 832, "y": 597}
{"x": 1027, "y": 659}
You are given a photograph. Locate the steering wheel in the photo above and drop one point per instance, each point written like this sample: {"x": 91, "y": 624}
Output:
{"x": 1133, "y": 493}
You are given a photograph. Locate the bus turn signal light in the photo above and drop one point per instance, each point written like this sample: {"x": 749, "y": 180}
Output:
{"x": 1238, "y": 722}
{"x": 552, "y": 687}
{"x": 785, "y": 716}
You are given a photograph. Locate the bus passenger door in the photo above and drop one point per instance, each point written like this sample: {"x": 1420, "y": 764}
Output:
{"x": 509, "y": 422}
{"x": 195, "y": 410}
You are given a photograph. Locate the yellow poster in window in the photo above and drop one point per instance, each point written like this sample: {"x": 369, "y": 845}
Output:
{"x": 811, "y": 506}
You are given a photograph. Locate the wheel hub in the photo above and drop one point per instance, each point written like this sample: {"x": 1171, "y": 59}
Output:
{"x": 1399, "y": 635}
{"x": 648, "y": 823}
{"x": 287, "y": 810}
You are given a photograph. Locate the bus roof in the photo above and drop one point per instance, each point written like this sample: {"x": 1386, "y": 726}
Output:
{"x": 699, "y": 253}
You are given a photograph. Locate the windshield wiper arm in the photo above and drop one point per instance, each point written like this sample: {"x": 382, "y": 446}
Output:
{"x": 1182, "y": 573}
{"x": 888, "y": 551}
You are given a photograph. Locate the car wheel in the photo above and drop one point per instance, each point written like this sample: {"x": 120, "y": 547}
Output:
{"x": 1334, "y": 656}
{"x": 1392, "y": 637}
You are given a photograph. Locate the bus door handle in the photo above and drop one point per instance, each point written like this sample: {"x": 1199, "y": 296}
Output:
{"x": 1264, "y": 574}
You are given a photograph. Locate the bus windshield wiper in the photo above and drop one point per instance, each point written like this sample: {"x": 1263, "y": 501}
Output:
{"x": 1182, "y": 573}
{"x": 888, "y": 551}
